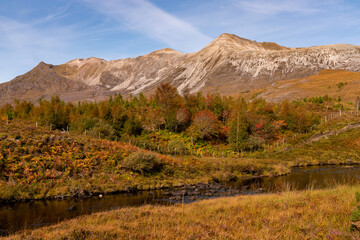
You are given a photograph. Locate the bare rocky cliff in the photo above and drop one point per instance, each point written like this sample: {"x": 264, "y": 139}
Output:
{"x": 228, "y": 65}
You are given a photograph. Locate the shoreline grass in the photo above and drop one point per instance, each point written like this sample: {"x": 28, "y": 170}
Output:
{"x": 310, "y": 214}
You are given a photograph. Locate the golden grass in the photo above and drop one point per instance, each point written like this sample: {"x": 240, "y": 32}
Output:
{"x": 317, "y": 85}
{"x": 317, "y": 214}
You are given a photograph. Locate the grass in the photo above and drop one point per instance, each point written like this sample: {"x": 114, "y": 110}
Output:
{"x": 337, "y": 149}
{"x": 328, "y": 82}
{"x": 311, "y": 214}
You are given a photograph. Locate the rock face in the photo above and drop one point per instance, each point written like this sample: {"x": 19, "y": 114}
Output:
{"x": 228, "y": 65}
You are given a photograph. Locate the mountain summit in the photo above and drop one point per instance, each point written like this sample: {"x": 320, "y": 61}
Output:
{"x": 228, "y": 65}
{"x": 230, "y": 41}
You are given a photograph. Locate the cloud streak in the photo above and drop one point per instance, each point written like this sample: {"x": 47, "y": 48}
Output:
{"x": 25, "y": 45}
{"x": 146, "y": 18}
{"x": 279, "y": 6}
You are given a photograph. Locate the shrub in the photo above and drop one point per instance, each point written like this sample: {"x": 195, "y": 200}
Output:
{"x": 133, "y": 126}
{"x": 103, "y": 130}
{"x": 255, "y": 142}
{"x": 176, "y": 146}
{"x": 143, "y": 163}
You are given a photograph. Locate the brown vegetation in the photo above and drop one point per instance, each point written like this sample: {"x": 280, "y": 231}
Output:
{"x": 313, "y": 214}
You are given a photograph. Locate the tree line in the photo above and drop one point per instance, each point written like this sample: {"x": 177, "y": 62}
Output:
{"x": 245, "y": 125}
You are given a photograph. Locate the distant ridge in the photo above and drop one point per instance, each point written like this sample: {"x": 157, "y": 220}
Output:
{"x": 228, "y": 65}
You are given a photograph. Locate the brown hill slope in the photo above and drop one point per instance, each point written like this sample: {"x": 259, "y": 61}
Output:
{"x": 42, "y": 82}
{"x": 334, "y": 83}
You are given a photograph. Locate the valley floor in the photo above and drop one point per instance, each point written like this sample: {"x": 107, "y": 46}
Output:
{"x": 312, "y": 214}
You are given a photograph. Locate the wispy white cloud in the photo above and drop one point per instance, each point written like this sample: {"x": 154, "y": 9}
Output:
{"x": 59, "y": 13}
{"x": 21, "y": 36}
{"x": 146, "y": 18}
{"x": 24, "y": 45}
{"x": 279, "y": 6}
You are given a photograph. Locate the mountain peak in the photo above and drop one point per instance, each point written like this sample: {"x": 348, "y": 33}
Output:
{"x": 227, "y": 40}
{"x": 231, "y": 38}
{"x": 165, "y": 51}
{"x": 42, "y": 66}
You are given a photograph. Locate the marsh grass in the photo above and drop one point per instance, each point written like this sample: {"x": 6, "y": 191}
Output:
{"x": 309, "y": 214}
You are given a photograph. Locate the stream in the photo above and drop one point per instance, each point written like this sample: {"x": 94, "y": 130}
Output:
{"x": 34, "y": 214}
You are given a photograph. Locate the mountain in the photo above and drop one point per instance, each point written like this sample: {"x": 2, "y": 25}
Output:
{"x": 42, "y": 82}
{"x": 228, "y": 65}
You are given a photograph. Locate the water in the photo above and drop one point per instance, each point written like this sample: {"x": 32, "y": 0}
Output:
{"x": 34, "y": 214}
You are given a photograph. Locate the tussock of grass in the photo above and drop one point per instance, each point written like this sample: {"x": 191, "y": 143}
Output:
{"x": 320, "y": 214}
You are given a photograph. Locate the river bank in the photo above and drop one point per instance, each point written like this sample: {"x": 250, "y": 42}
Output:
{"x": 35, "y": 214}
{"x": 210, "y": 176}
{"x": 312, "y": 214}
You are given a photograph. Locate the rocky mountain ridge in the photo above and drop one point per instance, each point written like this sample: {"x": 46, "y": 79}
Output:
{"x": 228, "y": 65}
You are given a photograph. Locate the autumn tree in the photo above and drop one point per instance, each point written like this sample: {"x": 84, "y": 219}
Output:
{"x": 183, "y": 118}
{"x": 205, "y": 125}
{"x": 23, "y": 109}
{"x": 168, "y": 101}
{"x": 153, "y": 119}
{"x": 194, "y": 102}
{"x": 53, "y": 113}
{"x": 239, "y": 126}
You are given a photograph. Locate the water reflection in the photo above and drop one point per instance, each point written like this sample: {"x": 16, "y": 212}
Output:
{"x": 16, "y": 216}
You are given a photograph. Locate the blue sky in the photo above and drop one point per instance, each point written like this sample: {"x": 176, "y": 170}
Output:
{"x": 57, "y": 31}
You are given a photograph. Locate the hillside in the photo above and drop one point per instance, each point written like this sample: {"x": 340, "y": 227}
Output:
{"x": 334, "y": 83}
{"x": 229, "y": 65}
{"x": 43, "y": 82}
